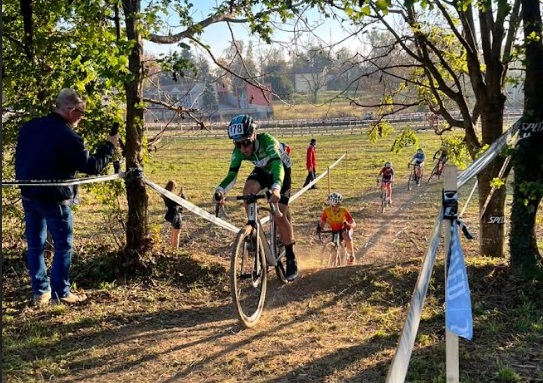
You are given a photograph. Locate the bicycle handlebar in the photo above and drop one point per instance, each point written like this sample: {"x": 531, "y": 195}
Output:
{"x": 333, "y": 232}
{"x": 252, "y": 198}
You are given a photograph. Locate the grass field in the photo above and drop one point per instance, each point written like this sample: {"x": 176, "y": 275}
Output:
{"x": 331, "y": 325}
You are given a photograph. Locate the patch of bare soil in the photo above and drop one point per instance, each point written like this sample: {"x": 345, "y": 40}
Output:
{"x": 330, "y": 325}
{"x": 316, "y": 329}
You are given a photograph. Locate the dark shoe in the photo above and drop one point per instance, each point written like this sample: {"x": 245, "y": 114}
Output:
{"x": 292, "y": 270}
{"x": 42, "y": 300}
{"x": 69, "y": 299}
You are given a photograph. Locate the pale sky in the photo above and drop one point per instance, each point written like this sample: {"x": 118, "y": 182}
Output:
{"x": 218, "y": 36}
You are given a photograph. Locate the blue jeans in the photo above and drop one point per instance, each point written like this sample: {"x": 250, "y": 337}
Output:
{"x": 58, "y": 219}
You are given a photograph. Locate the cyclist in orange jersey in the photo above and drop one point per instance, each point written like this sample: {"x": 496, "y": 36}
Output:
{"x": 339, "y": 218}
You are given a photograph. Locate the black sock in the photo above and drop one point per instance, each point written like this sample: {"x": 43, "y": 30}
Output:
{"x": 289, "y": 251}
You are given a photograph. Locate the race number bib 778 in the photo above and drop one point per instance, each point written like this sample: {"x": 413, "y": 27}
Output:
{"x": 235, "y": 130}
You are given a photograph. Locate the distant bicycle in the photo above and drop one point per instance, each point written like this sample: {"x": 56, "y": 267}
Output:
{"x": 333, "y": 252}
{"x": 385, "y": 196}
{"x": 254, "y": 254}
{"x": 436, "y": 171}
{"x": 414, "y": 179}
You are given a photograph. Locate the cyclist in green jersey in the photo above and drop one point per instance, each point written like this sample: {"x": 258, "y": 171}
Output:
{"x": 272, "y": 170}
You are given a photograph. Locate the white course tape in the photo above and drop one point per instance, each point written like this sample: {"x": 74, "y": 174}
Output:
{"x": 305, "y": 188}
{"x": 487, "y": 157}
{"x": 398, "y": 369}
{"x": 75, "y": 181}
{"x": 192, "y": 207}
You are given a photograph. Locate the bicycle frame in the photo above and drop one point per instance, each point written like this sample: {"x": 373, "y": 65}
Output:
{"x": 337, "y": 242}
{"x": 252, "y": 256}
{"x": 413, "y": 175}
{"x": 269, "y": 241}
{"x": 385, "y": 196}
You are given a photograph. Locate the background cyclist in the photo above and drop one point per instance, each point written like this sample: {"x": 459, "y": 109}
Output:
{"x": 418, "y": 159}
{"x": 339, "y": 218}
{"x": 442, "y": 157}
{"x": 386, "y": 177}
{"x": 271, "y": 170}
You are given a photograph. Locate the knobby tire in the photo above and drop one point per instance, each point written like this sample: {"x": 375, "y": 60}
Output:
{"x": 434, "y": 173}
{"x": 329, "y": 254}
{"x": 248, "y": 282}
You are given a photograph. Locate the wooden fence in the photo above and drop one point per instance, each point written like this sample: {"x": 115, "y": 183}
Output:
{"x": 311, "y": 127}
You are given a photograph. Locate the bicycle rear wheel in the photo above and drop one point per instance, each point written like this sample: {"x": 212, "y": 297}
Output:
{"x": 248, "y": 279}
{"x": 329, "y": 254}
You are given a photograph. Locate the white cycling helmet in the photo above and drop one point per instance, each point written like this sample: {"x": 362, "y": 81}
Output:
{"x": 334, "y": 199}
{"x": 388, "y": 165}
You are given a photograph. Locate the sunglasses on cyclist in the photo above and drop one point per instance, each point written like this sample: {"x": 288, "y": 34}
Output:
{"x": 245, "y": 143}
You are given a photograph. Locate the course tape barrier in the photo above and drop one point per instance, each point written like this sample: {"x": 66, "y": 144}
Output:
{"x": 398, "y": 368}
{"x": 75, "y": 181}
{"x": 192, "y": 207}
{"x": 306, "y": 188}
{"x": 493, "y": 150}
{"x": 218, "y": 221}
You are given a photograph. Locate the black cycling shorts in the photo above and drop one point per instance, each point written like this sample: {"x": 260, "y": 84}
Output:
{"x": 266, "y": 181}
{"x": 177, "y": 221}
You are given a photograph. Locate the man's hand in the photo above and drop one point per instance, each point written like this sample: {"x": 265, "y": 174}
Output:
{"x": 218, "y": 197}
{"x": 347, "y": 226}
{"x": 275, "y": 195}
{"x": 114, "y": 140}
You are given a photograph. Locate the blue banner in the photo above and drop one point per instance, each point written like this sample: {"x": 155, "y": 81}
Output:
{"x": 458, "y": 317}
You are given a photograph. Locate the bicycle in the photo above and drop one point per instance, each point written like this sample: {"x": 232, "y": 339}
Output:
{"x": 435, "y": 171}
{"x": 333, "y": 252}
{"x": 254, "y": 254}
{"x": 413, "y": 178}
{"x": 385, "y": 196}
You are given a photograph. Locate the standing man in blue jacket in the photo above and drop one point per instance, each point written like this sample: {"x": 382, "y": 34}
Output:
{"x": 49, "y": 149}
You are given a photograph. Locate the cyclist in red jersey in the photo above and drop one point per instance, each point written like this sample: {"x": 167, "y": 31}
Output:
{"x": 339, "y": 218}
{"x": 386, "y": 177}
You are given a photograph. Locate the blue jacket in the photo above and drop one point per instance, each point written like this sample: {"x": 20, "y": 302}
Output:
{"x": 49, "y": 149}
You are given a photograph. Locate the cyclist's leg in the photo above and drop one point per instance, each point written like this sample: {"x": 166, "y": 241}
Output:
{"x": 254, "y": 183}
{"x": 347, "y": 237}
{"x": 348, "y": 240}
{"x": 285, "y": 226}
{"x": 389, "y": 188}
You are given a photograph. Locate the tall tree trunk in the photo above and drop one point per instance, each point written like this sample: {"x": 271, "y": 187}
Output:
{"x": 492, "y": 228}
{"x": 528, "y": 164}
{"x": 528, "y": 158}
{"x": 138, "y": 243}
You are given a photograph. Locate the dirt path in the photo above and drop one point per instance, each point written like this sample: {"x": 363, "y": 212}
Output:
{"x": 312, "y": 330}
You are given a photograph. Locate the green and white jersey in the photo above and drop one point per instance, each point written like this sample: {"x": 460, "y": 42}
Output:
{"x": 267, "y": 155}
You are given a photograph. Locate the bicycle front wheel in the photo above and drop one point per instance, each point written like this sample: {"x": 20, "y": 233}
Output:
{"x": 383, "y": 200}
{"x": 248, "y": 279}
{"x": 410, "y": 180}
{"x": 329, "y": 254}
{"x": 433, "y": 173}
